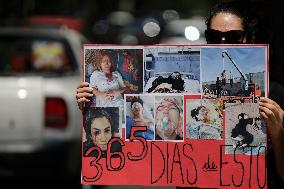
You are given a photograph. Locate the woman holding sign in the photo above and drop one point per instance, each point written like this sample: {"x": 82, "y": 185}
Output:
{"x": 229, "y": 23}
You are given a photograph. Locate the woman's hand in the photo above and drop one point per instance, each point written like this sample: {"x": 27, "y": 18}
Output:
{"x": 108, "y": 95}
{"x": 116, "y": 92}
{"x": 273, "y": 116}
{"x": 84, "y": 92}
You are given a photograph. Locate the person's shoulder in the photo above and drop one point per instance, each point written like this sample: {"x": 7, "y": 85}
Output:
{"x": 96, "y": 73}
{"x": 276, "y": 92}
{"x": 128, "y": 117}
{"x": 129, "y": 120}
{"x": 116, "y": 73}
{"x": 275, "y": 86}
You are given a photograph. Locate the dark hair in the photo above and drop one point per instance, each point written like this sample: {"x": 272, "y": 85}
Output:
{"x": 241, "y": 10}
{"x": 139, "y": 100}
{"x": 195, "y": 112}
{"x": 93, "y": 114}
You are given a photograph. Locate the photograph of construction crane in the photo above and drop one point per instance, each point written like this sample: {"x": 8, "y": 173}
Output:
{"x": 234, "y": 73}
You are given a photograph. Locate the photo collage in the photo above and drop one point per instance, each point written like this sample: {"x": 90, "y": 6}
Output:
{"x": 178, "y": 92}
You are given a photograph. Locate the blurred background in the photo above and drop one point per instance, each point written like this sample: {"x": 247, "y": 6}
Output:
{"x": 40, "y": 50}
{"x": 141, "y": 22}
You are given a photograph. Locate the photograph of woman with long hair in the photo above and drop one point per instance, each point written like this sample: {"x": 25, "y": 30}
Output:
{"x": 100, "y": 125}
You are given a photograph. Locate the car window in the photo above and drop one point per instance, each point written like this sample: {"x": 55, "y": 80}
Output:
{"x": 38, "y": 56}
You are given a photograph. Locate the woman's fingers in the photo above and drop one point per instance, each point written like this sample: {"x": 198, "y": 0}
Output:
{"x": 267, "y": 100}
{"x": 82, "y": 84}
{"x": 84, "y": 89}
{"x": 264, "y": 115}
{"x": 83, "y": 95}
{"x": 82, "y": 100}
{"x": 268, "y": 114}
{"x": 273, "y": 110}
{"x": 109, "y": 97}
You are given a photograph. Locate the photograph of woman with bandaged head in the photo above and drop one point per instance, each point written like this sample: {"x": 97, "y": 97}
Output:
{"x": 204, "y": 119}
{"x": 139, "y": 112}
{"x": 169, "y": 117}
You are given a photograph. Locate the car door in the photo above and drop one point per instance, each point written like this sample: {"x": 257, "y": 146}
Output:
{"x": 21, "y": 114}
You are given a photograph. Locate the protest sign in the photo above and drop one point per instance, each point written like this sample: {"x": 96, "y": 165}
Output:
{"x": 175, "y": 115}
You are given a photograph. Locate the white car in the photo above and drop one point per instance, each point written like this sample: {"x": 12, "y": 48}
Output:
{"x": 40, "y": 123}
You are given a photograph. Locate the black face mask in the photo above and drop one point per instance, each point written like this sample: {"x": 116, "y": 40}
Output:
{"x": 229, "y": 37}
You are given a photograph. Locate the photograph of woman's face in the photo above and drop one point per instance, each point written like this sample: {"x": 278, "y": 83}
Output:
{"x": 203, "y": 114}
{"x": 137, "y": 109}
{"x": 101, "y": 132}
{"x": 105, "y": 64}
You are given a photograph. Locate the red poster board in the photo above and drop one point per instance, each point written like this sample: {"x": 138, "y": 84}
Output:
{"x": 175, "y": 115}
